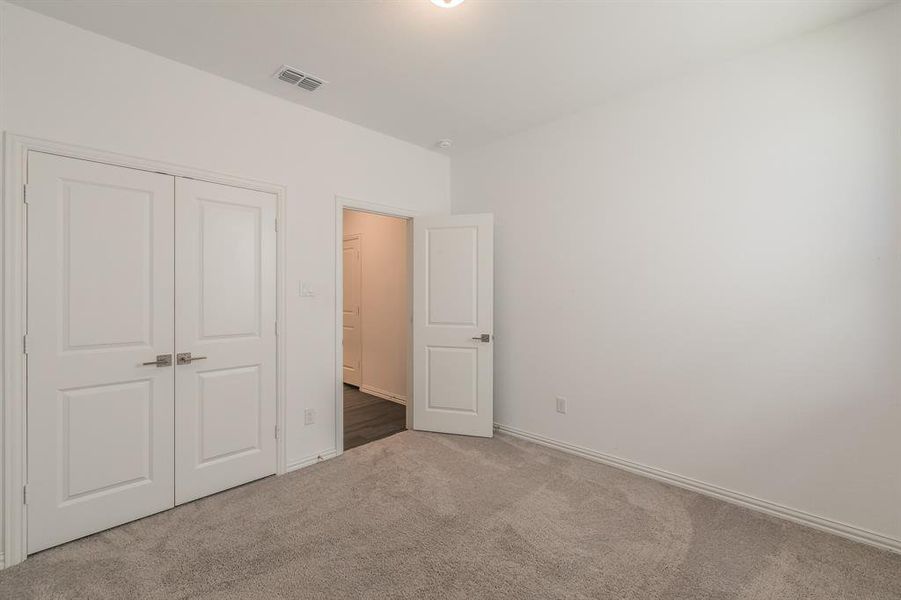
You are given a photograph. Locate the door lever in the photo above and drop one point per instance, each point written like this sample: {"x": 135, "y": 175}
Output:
{"x": 162, "y": 360}
{"x": 185, "y": 358}
{"x": 485, "y": 337}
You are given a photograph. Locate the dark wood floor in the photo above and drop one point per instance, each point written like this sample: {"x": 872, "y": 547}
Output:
{"x": 367, "y": 418}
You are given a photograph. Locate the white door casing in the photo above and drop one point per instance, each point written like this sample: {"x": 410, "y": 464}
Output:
{"x": 453, "y": 273}
{"x": 100, "y": 272}
{"x": 225, "y": 312}
{"x": 353, "y": 337}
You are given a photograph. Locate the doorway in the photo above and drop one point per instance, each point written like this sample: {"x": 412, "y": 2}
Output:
{"x": 449, "y": 320}
{"x": 375, "y": 326}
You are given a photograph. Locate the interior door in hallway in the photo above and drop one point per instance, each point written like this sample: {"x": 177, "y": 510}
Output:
{"x": 100, "y": 273}
{"x": 225, "y": 313}
{"x": 353, "y": 346}
{"x": 453, "y": 336}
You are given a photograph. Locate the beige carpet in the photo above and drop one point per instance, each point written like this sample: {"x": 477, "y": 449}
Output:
{"x": 422, "y": 515}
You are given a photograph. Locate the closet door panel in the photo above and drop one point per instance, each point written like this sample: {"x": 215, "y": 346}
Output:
{"x": 225, "y": 320}
{"x": 100, "y": 290}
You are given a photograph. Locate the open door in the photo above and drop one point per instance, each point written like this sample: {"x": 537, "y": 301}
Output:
{"x": 353, "y": 280}
{"x": 453, "y": 324}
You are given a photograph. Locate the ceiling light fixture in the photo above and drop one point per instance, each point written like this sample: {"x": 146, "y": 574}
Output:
{"x": 447, "y": 3}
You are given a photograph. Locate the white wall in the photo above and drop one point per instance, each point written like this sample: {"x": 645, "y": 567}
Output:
{"x": 64, "y": 84}
{"x": 709, "y": 271}
{"x": 384, "y": 301}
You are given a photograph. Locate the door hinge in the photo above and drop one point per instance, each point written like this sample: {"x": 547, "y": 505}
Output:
{"x": 276, "y": 432}
{"x": 25, "y": 344}
{"x": 25, "y": 494}
{"x": 25, "y": 193}
{"x": 276, "y": 328}
{"x": 276, "y": 225}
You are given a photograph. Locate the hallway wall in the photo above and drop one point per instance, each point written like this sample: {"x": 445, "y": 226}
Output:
{"x": 384, "y": 302}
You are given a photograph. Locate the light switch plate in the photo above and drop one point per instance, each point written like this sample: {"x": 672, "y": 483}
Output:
{"x": 306, "y": 289}
{"x": 561, "y": 405}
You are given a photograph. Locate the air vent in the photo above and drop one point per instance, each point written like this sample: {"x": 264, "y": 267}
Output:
{"x": 309, "y": 83}
{"x": 290, "y": 75}
{"x": 298, "y": 78}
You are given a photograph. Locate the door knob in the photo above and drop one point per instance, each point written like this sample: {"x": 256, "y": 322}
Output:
{"x": 485, "y": 337}
{"x": 162, "y": 360}
{"x": 185, "y": 358}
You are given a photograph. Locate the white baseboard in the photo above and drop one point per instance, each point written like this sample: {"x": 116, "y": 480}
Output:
{"x": 771, "y": 508}
{"x": 310, "y": 460}
{"x": 2, "y": 562}
{"x": 383, "y": 394}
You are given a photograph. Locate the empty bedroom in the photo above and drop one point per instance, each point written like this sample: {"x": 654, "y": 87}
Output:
{"x": 431, "y": 299}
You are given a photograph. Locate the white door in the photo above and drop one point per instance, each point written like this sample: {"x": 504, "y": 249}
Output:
{"x": 100, "y": 273}
{"x": 453, "y": 337}
{"x": 353, "y": 341}
{"x": 225, "y": 318}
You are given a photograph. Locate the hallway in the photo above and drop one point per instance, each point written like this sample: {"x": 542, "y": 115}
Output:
{"x": 368, "y": 418}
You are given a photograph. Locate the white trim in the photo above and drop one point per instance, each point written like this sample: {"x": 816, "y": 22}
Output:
{"x": 375, "y": 208}
{"x": 342, "y": 202}
{"x": 16, "y": 149}
{"x": 281, "y": 328}
{"x": 312, "y": 459}
{"x": 374, "y": 391}
{"x": 13, "y": 356}
{"x": 2, "y": 563}
{"x": 765, "y": 506}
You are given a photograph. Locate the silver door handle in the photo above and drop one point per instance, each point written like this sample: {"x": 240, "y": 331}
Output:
{"x": 185, "y": 358}
{"x": 485, "y": 337}
{"x": 162, "y": 360}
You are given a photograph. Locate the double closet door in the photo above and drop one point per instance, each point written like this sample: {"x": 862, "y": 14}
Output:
{"x": 151, "y": 349}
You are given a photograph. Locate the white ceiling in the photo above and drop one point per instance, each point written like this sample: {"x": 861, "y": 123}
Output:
{"x": 474, "y": 73}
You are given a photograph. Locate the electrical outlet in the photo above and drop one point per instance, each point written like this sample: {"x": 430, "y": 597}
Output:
{"x": 309, "y": 416}
{"x": 561, "y": 405}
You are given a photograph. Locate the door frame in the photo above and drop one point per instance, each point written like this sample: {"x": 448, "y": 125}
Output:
{"x": 341, "y": 203}
{"x": 15, "y": 256}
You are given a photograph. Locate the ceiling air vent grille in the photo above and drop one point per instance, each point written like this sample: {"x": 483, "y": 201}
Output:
{"x": 298, "y": 78}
